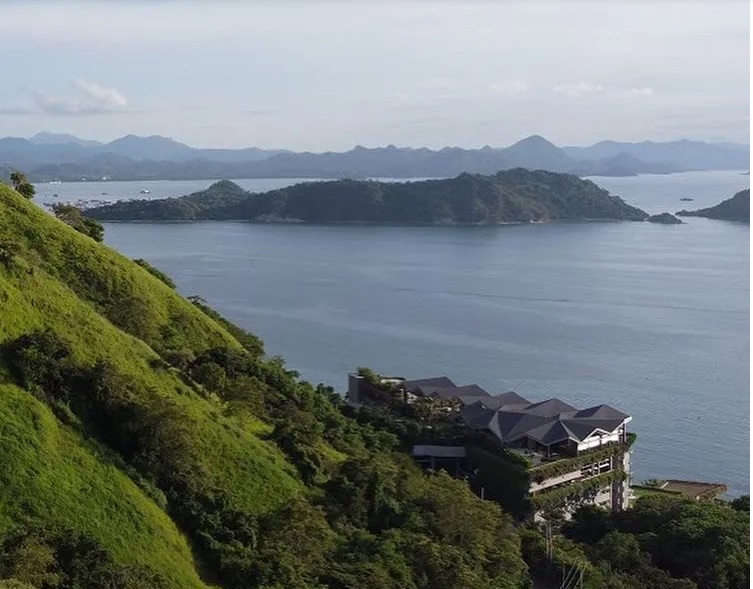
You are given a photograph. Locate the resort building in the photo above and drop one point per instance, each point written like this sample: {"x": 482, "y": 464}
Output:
{"x": 565, "y": 456}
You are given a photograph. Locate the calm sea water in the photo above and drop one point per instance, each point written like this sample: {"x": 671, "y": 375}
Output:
{"x": 651, "y": 319}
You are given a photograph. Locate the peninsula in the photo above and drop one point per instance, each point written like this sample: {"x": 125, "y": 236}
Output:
{"x": 509, "y": 196}
{"x": 736, "y": 208}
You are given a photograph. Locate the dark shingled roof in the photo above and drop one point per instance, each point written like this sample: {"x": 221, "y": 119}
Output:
{"x": 435, "y": 381}
{"x": 538, "y": 421}
{"x": 550, "y": 408}
{"x": 471, "y": 390}
{"x": 511, "y": 397}
{"x": 601, "y": 412}
{"x": 512, "y": 418}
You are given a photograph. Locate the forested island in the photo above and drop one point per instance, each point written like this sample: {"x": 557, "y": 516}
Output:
{"x": 146, "y": 442}
{"x": 510, "y": 196}
{"x": 736, "y": 208}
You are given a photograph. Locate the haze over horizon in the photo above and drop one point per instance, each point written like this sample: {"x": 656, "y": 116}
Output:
{"x": 412, "y": 74}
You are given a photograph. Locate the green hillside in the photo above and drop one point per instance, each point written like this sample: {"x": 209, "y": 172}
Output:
{"x": 52, "y": 476}
{"x": 147, "y": 443}
{"x": 64, "y": 281}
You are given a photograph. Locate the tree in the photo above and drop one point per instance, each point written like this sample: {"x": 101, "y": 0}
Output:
{"x": 30, "y": 561}
{"x": 22, "y": 185}
{"x": 72, "y": 216}
{"x": 742, "y": 503}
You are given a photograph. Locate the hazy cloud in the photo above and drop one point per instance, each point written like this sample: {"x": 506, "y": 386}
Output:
{"x": 106, "y": 98}
{"x": 93, "y": 98}
{"x": 17, "y": 110}
{"x": 643, "y": 91}
{"x": 440, "y": 84}
{"x": 578, "y": 89}
{"x": 582, "y": 89}
{"x": 260, "y": 112}
{"x": 509, "y": 87}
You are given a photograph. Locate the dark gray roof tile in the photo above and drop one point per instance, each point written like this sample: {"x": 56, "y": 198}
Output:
{"x": 435, "y": 381}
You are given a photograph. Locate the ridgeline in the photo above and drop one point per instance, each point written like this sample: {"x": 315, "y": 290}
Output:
{"x": 736, "y": 208}
{"x": 511, "y": 196}
{"x": 148, "y": 443}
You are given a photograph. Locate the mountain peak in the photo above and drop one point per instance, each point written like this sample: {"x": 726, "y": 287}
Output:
{"x": 48, "y": 138}
{"x": 535, "y": 141}
{"x": 535, "y": 152}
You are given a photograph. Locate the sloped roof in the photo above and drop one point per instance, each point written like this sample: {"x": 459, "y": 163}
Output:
{"x": 512, "y": 425}
{"x": 477, "y": 416}
{"x": 434, "y": 381}
{"x": 511, "y": 398}
{"x": 512, "y": 418}
{"x": 550, "y": 408}
{"x": 471, "y": 390}
{"x": 539, "y": 422}
{"x": 552, "y": 432}
{"x": 600, "y": 412}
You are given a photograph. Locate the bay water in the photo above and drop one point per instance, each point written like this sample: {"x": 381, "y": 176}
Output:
{"x": 651, "y": 319}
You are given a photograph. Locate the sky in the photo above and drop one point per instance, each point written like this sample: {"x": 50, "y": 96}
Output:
{"x": 331, "y": 75}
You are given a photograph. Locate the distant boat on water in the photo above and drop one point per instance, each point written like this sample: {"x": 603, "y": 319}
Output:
{"x": 144, "y": 191}
{"x": 686, "y": 198}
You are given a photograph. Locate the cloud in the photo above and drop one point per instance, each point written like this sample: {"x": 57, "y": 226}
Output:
{"x": 17, "y": 110}
{"x": 440, "y": 84}
{"x": 93, "y": 98}
{"x": 582, "y": 89}
{"x": 644, "y": 91}
{"x": 578, "y": 89}
{"x": 509, "y": 87}
{"x": 260, "y": 112}
{"x": 101, "y": 95}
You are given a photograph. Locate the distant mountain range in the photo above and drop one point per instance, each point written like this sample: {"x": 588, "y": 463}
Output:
{"x": 58, "y": 156}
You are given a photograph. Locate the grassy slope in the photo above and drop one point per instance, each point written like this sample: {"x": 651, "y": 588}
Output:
{"x": 115, "y": 286}
{"x": 48, "y": 474}
{"x": 74, "y": 295}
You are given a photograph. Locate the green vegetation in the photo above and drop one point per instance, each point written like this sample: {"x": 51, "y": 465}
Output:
{"x": 504, "y": 477}
{"x": 156, "y": 272}
{"x": 22, "y": 185}
{"x": 146, "y": 442}
{"x": 699, "y": 544}
{"x": 72, "y": 216}
{"x": 515, "y": 195}
{"x": 550, "y": 499}
{"x": 568, "y": 464}
{"x": 736, "y": 208}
